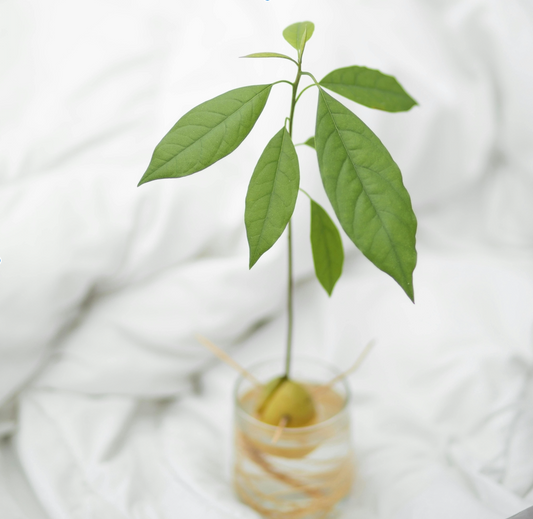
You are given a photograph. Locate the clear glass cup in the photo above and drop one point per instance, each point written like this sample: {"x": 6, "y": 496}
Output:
{"x": 306, "y": 472}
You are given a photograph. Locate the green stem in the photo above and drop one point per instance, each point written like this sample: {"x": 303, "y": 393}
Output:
{"x": 290, "y": 287}
{"x": 306, "y": 193}
{"x": 311, "y": 76}
{"x": 290, "y": 282}
{"x": 282, "y": 81}
{"x": 294, "y": 92}
{"x": 306, "y": 88}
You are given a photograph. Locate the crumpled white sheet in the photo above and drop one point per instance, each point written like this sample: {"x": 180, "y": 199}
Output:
{"x": 108, "y": 406}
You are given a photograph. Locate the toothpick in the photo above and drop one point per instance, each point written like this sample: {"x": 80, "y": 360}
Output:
{"x": 279, "y": 429}
{"x": 350, "y": 370}
{"x": 223, "y": 356}
{"x": 355, "y": 365}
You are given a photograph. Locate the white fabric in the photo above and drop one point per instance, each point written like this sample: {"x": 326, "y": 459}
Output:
{"x": 109, "y": 408}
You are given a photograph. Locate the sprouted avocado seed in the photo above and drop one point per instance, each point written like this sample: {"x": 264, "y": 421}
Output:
{"x": 283, "y": 397}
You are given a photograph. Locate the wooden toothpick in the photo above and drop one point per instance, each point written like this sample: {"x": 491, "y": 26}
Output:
{"x": 279, "y": 429}
{"x": 350, "y": 370}
{"x": 224, "y": 357}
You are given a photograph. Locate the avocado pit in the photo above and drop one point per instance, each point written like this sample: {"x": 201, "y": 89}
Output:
{"x": 283, "y": 397}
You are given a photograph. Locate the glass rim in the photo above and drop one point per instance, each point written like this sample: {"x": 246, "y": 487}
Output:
{"x": 294, "y": 430}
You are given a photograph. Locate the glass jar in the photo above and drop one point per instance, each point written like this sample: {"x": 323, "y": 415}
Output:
{"x": 299, "y": 472}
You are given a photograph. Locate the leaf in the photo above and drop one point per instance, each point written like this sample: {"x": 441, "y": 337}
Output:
{"x": 298, "y": 34}
{"x": 207, "y": 133}
{"x": 310, "y": 142}
{"x": 365, "y": 188}
{"x": 267, "y": 55}
{"x": 326, "y": 243}
{"x": 271, "y": 194}
{"x": 370, "y": 88}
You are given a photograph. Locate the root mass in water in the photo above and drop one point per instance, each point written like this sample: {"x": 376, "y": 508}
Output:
{"x": 306, "y": 472}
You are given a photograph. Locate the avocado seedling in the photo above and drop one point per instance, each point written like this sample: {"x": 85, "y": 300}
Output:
{"x": 363, "y": 184}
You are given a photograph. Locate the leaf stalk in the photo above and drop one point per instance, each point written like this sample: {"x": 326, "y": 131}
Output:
{"x": 311, "y": 76}
{"x": 306, "y": 88}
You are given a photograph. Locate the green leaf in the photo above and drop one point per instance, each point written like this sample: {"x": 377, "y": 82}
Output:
{"x": 207, "y": 133}
{"x": 310, "y": 142}
{"x": 298, "y": 34}
{"x": 365, "y": 188}
{"x": 326, "y": 243}
{"x": 268, "y": 55}
{"x": 271, "y": 194}
{"x": 370, "y": 88}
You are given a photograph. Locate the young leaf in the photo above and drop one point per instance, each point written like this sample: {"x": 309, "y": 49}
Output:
{"x": 370, "y": 88}
{"x": 298, "y": 34}
{"x": 267, "y": 55}
{"x": 207, "y": 133}
{"x": 271, "y": 194}
{"x": 326, "y": 243}
{"x": 365, "y": 188}
{"x": 310, "y": 142}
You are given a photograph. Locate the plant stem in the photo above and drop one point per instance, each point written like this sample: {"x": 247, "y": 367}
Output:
{"x": 306, "y": 88}
{"x": 290, "y": 287}
{"x": 294, "y": 92}
{"x": 290, "y": 282}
